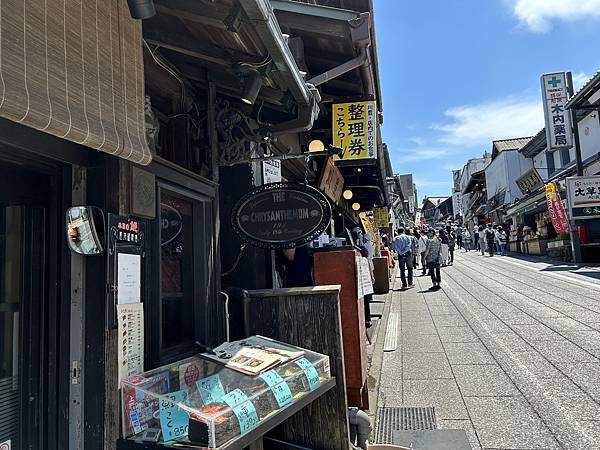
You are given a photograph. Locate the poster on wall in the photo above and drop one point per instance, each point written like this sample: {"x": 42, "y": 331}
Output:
{"x": 271, "y": 171}
{"x": 130, "y": 320}
{"x": 365, "y": 284}
{"x": 129, "y": 278}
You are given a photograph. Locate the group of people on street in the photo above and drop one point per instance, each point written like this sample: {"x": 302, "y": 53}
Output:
{"x": 435, "y": 249}
{"x": 429, "y": 248}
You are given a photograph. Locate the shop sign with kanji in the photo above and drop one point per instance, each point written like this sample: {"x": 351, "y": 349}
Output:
{"x": 584, "y": 197}
{"x": 529, "y": 181}
{"x": 355, "y": 130}
{"x": 558, "y": 119}
{"x": 381, "y": 217}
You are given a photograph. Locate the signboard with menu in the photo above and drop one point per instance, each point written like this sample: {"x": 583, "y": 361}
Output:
{"x": 583, "y": 194}
{"x": 558, "y": 120}
{"x": 355, "y": 130}
{"x": 332, "y": 181}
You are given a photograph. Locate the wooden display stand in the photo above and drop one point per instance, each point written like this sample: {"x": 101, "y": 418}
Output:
{"x": 339, "y": 267}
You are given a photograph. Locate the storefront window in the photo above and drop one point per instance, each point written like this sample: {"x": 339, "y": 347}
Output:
{"x": 176, "y": 270}
{"x": 181, "y": 274}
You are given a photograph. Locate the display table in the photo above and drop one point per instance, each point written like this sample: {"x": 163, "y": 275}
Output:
{"x": 340, "y": 267}
{"x": 198, "y": 402}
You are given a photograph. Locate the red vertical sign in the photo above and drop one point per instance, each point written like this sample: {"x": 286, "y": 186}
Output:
{"x": 557, "y": 212}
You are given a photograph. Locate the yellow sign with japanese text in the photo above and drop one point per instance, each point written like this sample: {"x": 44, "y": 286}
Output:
{"x": 355, "y": 130}
{"x": 381, "y": 217}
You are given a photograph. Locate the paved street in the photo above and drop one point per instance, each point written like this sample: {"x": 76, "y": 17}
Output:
{"x": 508, "y": 350}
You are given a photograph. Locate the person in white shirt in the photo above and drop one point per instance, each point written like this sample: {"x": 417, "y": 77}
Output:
{"x": 423, "y": 242}
{"x": 481, "y": 234}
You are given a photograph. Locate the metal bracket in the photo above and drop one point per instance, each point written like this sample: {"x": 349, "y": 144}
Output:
{"x": 233, "y": 21}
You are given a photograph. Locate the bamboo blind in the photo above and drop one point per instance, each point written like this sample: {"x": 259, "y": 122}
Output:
{"x": 74, "y": 69}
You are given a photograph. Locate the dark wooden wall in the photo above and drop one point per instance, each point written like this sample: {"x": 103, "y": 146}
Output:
{"x": 307, "y": 317}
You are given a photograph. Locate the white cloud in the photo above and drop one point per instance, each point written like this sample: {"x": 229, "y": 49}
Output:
{"x": 419, "y": 154}
{"x": 538, "y": 15}
{"x": 480, "y": 124}
{"x": 579, "y": 79}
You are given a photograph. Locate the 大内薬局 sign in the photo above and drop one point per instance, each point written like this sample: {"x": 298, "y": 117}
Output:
{"x": 355, "y": 130}
{"x": 558, "y": 119}
{"x": 281, "y": 215}
{"x": 583, "y": 195}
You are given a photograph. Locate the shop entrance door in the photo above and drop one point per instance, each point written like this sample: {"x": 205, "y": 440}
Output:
{"x": 24, "y": 291}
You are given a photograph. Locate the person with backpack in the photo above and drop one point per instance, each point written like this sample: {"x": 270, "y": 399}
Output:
{"x": 433, "y": 258}
{"x": 459, "y": 235}
{"x": 490, "y": 237}
{"x": 467, "y": 240}
{"x": 445, "y": 247}
{"x": 502, "y": 238}
{"x": 451, "y": 244}
{"x": 423, "y": 243}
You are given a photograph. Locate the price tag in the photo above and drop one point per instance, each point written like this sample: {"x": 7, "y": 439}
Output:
{"x": 174, "y": 421}
{"x": 211, "y": 389}
{"x": 311, "y": 373}
{"x": 243, "y": 409}
{"x": 279, "y": 387}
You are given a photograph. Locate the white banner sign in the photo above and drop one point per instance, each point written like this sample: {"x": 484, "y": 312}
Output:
{"x": 583, "y": 195}
{"x": 558, "y": 120}
{"x": 271, "y": 171}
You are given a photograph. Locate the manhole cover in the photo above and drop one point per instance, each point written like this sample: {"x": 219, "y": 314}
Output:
{"x": 390, "y": 419}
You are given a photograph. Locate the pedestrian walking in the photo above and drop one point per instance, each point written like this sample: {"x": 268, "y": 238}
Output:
{"x": 423, "y": 242}
{"x": 502, "y": 238}
{"x": 403, "y": 244}
{"x": 490, "y": 237}
{"x": 481, "y": 241}
{"x": 433, "y": 256}
{"x": 467, "y": 240}
{"x": 451, "y": 244}
{"x": 460, "y": 236}
{"x": 416, "y": 254}
{"x": 445, "y": 247}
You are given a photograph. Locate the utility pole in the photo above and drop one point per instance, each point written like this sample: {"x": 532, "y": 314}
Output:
{"x": 575, "y": 243}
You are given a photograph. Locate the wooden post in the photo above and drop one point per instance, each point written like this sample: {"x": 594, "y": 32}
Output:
{"x": 307, "y": 317}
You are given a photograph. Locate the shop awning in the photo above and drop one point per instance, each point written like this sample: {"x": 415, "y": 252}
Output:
{"x": 75, "y": 70}
{"x": 529, "y": 205}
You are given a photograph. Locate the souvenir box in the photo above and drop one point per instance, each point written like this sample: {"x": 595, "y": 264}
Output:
{"x": 201, "y": 402}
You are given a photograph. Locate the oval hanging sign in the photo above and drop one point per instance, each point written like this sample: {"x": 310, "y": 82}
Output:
{"x": 281, "y": 215}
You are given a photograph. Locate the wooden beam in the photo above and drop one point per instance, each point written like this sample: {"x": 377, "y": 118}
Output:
{"x": 195, "y": 11}
{"x": 189, "y": 47}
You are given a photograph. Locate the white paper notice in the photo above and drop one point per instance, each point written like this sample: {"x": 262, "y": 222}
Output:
{"x": 129, "y": 278}
{"x": 5, "y": 445}
{"x": 130, "y": 318}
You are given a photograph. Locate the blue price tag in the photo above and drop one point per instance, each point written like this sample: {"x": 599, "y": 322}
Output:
{"x": 243, "y": 409}
{"x": 174, "y": 421}
{"x": 211, "y": 389}
{"x": 279, "y": 387}
{"x": 311, "y": 373}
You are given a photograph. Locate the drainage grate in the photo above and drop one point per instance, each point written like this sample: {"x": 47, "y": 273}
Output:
{"x": 391, "y": 334}
{"x": 390, "y": 419}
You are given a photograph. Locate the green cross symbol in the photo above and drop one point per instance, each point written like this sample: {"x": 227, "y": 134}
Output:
{"x": 554, "y": 81}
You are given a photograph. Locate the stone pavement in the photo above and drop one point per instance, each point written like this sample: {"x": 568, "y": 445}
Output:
{"x": 508, "y": 350}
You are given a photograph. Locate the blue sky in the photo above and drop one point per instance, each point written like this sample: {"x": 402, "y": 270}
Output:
{"x": 456, "y": 74}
